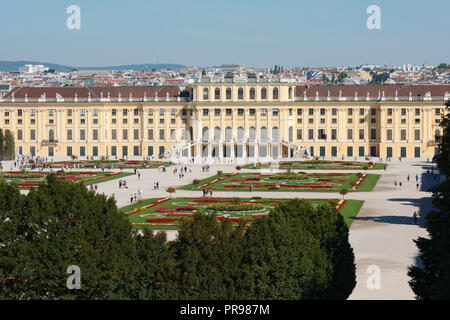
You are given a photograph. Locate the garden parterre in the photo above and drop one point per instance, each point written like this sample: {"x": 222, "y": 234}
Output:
{"x": 167, "y": 214}
{"x": 300, "y": 182}
{"x": 27, "y": 180}
{"x": 330, "y": 165}
{"x": 113, "y": 164}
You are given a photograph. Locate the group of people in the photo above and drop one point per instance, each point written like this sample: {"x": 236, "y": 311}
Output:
{"x": 407, "y": 179}
{"x": 93, "y": 187}
{"x": 135, "y": 197}
{"x": 123, "y": 184}
{"x": 207, "y": 192}
{"x": 205, "y": 168}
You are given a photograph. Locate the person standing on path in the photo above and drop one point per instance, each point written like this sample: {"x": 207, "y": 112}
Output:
{"x": 415, "y": 217}
{"x": 417, "y": 185}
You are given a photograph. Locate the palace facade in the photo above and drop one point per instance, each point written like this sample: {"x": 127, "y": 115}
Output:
{"x": 248, "y": 122}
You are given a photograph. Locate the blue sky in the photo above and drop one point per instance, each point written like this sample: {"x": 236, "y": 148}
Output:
{"x": 246, "y": 32}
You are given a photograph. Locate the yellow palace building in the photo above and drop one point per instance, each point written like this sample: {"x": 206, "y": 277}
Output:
{"x": 243, "y": 121}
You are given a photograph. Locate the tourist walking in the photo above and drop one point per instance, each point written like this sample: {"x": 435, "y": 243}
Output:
{"x": 415, "y": 217}
{"x": 417, "y": 185}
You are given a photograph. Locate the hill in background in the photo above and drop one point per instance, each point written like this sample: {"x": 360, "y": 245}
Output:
{"x": 13, "y": 66}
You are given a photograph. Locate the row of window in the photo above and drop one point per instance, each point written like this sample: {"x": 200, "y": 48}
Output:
{"x": 373, "y": 152}
{"x": 350, "y": 152}
{"x": 95, "y": 153}
{"x": 321, "y": 135}
{"x": 240, "y": 93}
{"x": 184, "y": 112}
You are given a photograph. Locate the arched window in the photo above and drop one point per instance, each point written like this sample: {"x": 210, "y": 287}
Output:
{"x": 275, "y": 134}
{"x": 216, "y": 134}
{"x": 186, "y": 135}
{"x": 263, "y": 93}
{"x": 437, "y": 135}
{"x": 240, "y": 133}
{"x": 51, "y": 135}
{"x": 217, "y": 94}
{"x": 240, "y": 94}
{"x": 290, "y": 93}
{"x": 228, "y": 94}
{"x": 252, "y": 133}
{"x": 275, "y": 93}
{"x": 205, "y": 134}
{"x": 205, "y": 94}
{"x": 252, "y": 94}
{"x": 263, "y": 134}
{"x": 228, "y": 134}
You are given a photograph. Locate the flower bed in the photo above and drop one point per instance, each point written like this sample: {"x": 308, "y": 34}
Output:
{"x": 312, "y": 182}
{"x": 35, "y": 179}
{"x": 169, "y": 213}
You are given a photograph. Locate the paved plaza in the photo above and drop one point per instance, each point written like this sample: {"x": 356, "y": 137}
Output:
{"x": 382, "y": 234}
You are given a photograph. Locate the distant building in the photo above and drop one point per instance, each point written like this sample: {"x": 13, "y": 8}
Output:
{"x": 4, "y": 89}
{"x": 30, "y": 68}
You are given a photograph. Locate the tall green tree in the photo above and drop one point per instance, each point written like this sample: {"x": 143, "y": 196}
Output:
{"x": 2, "y": 144}
{"x": 9, "y": 149}
{"x": 157, "y": 279}
{"x": 62, "y": 224}
{"x": 283, "y": 261}
{"x": 328, "y": 227}
{"x": 443, "y": 157}
{"x": 431, "y": 280}
{"x": 208, "y": 256}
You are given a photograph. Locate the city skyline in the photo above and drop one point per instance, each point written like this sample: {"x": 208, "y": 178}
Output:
{"x": 207, "y": 33}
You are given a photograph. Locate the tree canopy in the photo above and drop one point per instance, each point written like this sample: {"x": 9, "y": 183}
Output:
{"x": 7, "y": 145}
{"x": 432, "y": 280}
{"x": 297, "y": 252}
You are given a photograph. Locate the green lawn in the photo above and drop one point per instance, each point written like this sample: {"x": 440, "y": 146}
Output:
{"x": 115, "y": 164}
{"x": 258, "y": 165}
{"x": 100, "y": 180}
{"x": 310, "y": 182}
{"x": 329, "y": 165}
{"x": 29, "y": 180}
{"x": 182, "y": 208}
